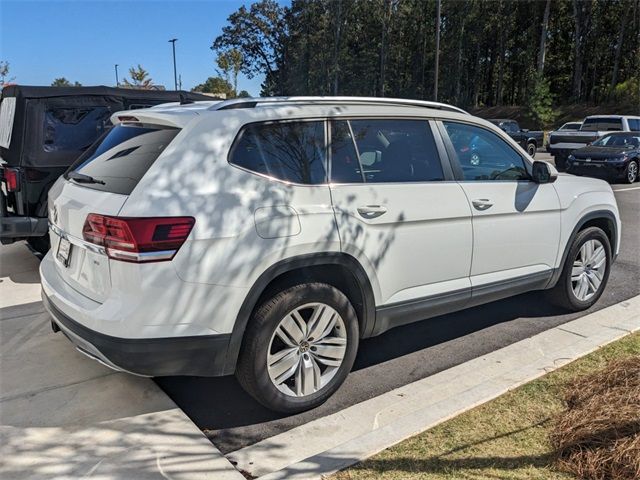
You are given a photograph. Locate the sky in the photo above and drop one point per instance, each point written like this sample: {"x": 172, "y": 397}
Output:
{"x": 83, "y": 40}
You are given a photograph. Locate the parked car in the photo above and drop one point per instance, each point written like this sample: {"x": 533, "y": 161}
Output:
{"x": 42, "y": 132}
{"x": 562, "y": 144}
{"x": 615, "y": 156}
{"x": 529, "y": 140}
{"x": 572, "y": 126}
{"x": 267, "y": 237}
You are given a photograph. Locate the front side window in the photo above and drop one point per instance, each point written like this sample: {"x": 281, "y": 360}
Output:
{"x": 378, "y": 151}
{"x": 73, "y": 129}
{"x": 289, "y": 151}
{"x": 482, "y": 155}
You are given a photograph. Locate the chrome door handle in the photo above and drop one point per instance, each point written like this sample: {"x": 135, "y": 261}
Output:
{"x": 482, "y": 204}
{"x": 372, "y": 211}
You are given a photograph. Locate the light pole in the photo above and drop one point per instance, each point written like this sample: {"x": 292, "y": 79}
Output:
{"x": 175, "y": 75}
{"x": 117, "y": 82}
{"x": 436, "y": 67}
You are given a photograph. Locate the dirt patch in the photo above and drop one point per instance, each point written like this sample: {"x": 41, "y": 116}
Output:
{"x": 598, "y": 435}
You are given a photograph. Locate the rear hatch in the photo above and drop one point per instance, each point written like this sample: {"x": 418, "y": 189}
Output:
{"x": 99, "y": 182}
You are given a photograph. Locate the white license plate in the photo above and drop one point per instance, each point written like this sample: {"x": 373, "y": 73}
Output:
{"x": 64, "y": 251}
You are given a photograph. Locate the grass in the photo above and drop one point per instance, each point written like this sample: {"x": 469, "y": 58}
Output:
{"x": 506, "y": 438}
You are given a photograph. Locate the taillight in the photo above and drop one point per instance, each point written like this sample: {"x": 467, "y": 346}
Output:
{"x": 139, "y": 240}
{"x": 12, "y": 180}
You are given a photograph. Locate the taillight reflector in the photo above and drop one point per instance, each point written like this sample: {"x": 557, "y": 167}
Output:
{"x": 11, "y": 179}
{"x": 151, "y": 239}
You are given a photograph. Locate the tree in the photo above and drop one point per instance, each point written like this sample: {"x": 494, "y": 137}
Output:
{"x": 258, "y": 34}
{"x": 243, "y": 94}
{"x": 540, "y": 103}
{"x": 4, "y": 73}
{"x": 63, "y": 82}
{"x": 215, "y": 85}
{"x": 230, "y": 63}
{"x": 139, "y": 78}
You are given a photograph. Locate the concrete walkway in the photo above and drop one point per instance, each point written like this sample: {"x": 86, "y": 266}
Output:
{"x": 337, "y": 441}
{"x": 63, "y": 416}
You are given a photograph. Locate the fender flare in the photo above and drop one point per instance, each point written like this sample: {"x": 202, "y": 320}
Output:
{"x": 597, "y": 214}
{"x": 288, "y": 265}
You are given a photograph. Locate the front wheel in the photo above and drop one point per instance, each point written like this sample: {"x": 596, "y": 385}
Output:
{"x": 299, "y": 347}
{"x": 585, "y": 272}
{"x": 631, "y": 172}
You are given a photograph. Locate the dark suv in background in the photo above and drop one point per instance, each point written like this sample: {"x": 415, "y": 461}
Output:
{"x": 528, "y": 139}
{"x": 42, "y": 132}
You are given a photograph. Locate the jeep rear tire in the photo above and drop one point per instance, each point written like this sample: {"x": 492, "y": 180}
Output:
{"x": 299, "y": 347}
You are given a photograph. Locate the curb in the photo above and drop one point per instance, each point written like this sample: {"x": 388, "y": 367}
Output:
{"x": 329, "y": 444}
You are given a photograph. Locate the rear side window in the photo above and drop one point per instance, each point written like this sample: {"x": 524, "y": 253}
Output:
{"x": 73, "y": 129}
{"x": 383, "y": 150}
{"x": 121, "y": 157}
{"x": 602, "y": 124}
{"x": 7, "y": 113}
{"x": 634, "y": 124}
{"x": 289, "y": 151}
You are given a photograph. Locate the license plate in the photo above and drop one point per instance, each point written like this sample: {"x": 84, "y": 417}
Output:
{"x": 64, "y": 252}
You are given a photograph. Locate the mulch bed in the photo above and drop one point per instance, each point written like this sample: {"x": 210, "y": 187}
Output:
{"x": 598, "y": 435}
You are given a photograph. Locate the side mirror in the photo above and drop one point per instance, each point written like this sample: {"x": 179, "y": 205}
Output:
{"x": 542, "y": 172}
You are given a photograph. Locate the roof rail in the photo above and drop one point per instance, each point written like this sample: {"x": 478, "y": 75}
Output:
{"x": 255, "y": 102}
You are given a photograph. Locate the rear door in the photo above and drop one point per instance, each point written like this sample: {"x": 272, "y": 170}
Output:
{"x": 104, "y": 177}
{"x": 516, "y": 222}
{"x": 397, "y": 210}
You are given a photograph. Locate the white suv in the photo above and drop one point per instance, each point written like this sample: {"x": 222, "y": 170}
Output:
{"x": 265, "y": 237}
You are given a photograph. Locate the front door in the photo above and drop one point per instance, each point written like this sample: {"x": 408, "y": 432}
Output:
{"x": 516, "y": 222}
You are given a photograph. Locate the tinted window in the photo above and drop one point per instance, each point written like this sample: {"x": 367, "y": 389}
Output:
{"x": 617, "y": 140}
{"x": 384, "y": 151}
{"x": 634, "y": 125}
{"x": 73, "y": 129}
{"x": 290, "y": 151}
{"x": 602, "y": 124}
{"x": 483, "y": 155}
{"x": 571, "y": 126}
{"x": 121, "y": 157}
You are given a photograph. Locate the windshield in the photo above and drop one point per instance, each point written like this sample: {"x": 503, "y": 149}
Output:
{"x": 618, "y": 141}
{"x": 602, "y": 124}
{"x": 121, "y": 157}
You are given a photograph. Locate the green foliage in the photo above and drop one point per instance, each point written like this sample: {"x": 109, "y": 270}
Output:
{"x": 488, "y": 48}
{"x": 230, "y": 63}
{"x": 63, "y": 82}
{"x": 139, "y": 78}
{"x": 243, "y": 94}
{"x": 215, "y": 85}
{"x": 540, "y": 104}
{"x": 628, "y": 91}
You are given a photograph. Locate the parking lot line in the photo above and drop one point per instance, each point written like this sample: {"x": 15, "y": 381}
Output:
{"x": 334, "y": 442}
{"x": 625, "y": 189}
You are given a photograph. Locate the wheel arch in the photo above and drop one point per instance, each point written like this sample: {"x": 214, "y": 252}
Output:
{"x": 603, "y": 219}
{"x": 335, "y": 268}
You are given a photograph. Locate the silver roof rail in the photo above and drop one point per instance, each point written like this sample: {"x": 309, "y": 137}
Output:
{"x": 255, "y": 102}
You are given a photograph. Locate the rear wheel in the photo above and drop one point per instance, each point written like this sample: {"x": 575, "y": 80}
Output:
{"x": 532, "y": 149}
{"x": 299, "y": 347}
{"x": 40, "y": 244}
{"x": 585, "y": 272}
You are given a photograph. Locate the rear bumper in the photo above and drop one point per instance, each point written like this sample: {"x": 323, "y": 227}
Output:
{"x": 202, "y": 355}
{"x": 12, "y": 228}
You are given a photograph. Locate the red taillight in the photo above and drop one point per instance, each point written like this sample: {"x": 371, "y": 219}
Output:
{"x": 11, "y": 179}
{"x": 138, "y": 240}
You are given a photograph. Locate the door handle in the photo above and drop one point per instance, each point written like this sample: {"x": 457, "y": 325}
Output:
{"x": 372, "y": 211}
{"x": 482, "y": 204}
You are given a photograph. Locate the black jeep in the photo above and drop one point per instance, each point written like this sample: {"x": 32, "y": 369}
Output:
{"x": 42, "y": 132}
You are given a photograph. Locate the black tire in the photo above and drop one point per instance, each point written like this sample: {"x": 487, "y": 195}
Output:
{"x": 562, "y": 293}
{"x": 560, "y": 162}
{"x": 251, "y": 370}
{"x": 40, "y": 244}
{"x": 532, "y": 149}
{"x": 631, "y": 172}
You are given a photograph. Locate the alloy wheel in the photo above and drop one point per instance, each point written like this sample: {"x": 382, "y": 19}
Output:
{"x": 306, "y": 349}
{"x": 588, "y": 269}
{"x": 632, "y": 172}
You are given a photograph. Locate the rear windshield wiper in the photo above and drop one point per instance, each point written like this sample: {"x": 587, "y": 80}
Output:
{"x": 82, "y": 178}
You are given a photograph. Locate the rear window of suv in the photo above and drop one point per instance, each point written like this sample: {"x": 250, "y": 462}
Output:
{"x": 602, "y": 124}
{"x": 119, "y": 159}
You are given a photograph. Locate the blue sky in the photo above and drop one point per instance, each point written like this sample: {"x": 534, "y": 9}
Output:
{"x": 82, "y": 40}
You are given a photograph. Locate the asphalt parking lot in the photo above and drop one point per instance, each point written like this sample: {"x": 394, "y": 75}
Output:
{"x": 232, "y": 420}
